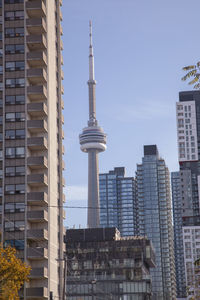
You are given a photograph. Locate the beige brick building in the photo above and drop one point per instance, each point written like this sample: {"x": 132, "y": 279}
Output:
{"x": 31, "y": 183}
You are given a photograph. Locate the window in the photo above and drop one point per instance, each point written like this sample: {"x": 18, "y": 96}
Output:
{"x": 18, "y": 99}
{"x": 14, "y": 49}
{"x": 19, "y": 15}
{"x": 18, "y": 244}
{"x": 10, "y": 134}
{"x": 10, "y": 117}
{"x": 19, "y": 225}
{"x": 20, "y": 82}
{"x": 20, "y": 134}
{"x": 10, "y": 152}
{"x": 14, "y": 65}
{"x": 9, "y": 189}
{"x": 20, "y": 188}
{"x": 13, "y": 1}
{"x": 20, "y": 170}
{"x": 10, "y": 171}
{"x": 20, "y": 116}
{"x": 10, "y": 99}
{"x": 14, "y": 15}
{"x": 1, "y": 70}
{"x": 10, "y": 207}
{"x": 15, "y": 82}
{"x": 14, "y": 32}
{"x": 20, "y": 152}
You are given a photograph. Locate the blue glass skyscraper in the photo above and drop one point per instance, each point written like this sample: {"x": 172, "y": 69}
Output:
{"x": 155, "y": 220}
{"x": 117, "y": 201}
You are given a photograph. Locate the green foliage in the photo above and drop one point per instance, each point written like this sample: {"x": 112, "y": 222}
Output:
{"x": 193, "y": 71}
{"x": 13, "y": 274}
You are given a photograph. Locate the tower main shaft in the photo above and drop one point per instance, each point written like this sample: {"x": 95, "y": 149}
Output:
{"x": 92, "y": 141}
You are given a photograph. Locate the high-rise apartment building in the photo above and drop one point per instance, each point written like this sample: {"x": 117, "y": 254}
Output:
{"x": 155, "y": 220}
{"x": 92, "y": 141}
{"x": 117, "y": 201}
{"x": 178, "y": 235}
{"x": 103, "y": 265}
{"x": 188, "y": 134}
{"x": 31, "y": 183}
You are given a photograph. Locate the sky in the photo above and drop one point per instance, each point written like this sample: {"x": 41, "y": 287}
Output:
{"x": 140, "y": 47}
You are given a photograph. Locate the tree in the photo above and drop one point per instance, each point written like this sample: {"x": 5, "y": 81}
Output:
{"x": 13, "y": 274}
{"x": 193, "y": 71}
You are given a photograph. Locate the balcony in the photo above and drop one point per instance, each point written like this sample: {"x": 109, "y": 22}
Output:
{"x": 37, "y": 216}
{"x": 37, "y": 143}
{"x": 37, "y": 180}
{"x": 37, "y": 198}
{"x": 37, "y": 126}
{"x": 37, "y": 234}
{"x": 37, "y": 253}
{"x": 37, "y": 293}
{"x": 37, "y": 109}
{"x": 37, "y": 162}
{"x": 38, "y": 273}
{"x": 37, "y": 92}
{"x": 36, "y": 59}
{"x": 36, "y": 76}
{"x": 35, "y": 9}
{"x": 36, "y": 26}
{"x": 36, "y": 42}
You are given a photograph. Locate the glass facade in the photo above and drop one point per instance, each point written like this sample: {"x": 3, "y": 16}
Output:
{"x": 178, "y": 236}
{"x": 155, "y": 220}
{"x": 117, "y": 201}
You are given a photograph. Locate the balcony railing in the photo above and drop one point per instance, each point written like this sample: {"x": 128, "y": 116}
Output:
{"x": 35, "y": 9}
{"x": 37, "y": 92}
{"x": 37, "y": 125}
{"x": 37, "y": 180}
{"x": 37, "y": 162}
{"x": 35, "y": 216}
{"x": 36, "y": 76}
{"x": 37, "y": 109}
{"x": 36, "y": 26}
{"x": 37, "y": 253}
{"x": 36, "y": 59}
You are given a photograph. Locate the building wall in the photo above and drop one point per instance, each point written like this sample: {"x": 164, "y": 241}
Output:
{"x": 191, "y": 243}
{"x": 31, "y": 140}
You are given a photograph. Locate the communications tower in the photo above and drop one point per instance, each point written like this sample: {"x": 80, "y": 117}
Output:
{"x": 92, "y": 141}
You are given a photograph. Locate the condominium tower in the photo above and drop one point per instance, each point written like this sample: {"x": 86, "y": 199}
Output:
{"x": 31, "y": 183}
{"x": 178, "y": 234}
{"x": 188, "y": 134}
{"x": 155, "y": 220}
{"x": 117, "y": 201}
{"x": 92, "y": 141}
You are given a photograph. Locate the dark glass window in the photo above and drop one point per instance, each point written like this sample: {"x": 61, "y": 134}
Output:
{"x": 10, "y": 66}
{"x": 20, "y": 170}
{"x": 10, "y": 99}
{"x": 19, "y": 151}
{"x": 10, "y": 49}
{"x": 10, "y": 117}
{"x": 20, "y": 82}
{"x": 20, "y": 116}
{"x": 10, "y": 134}
{"x": 20, "y": 99}
{"x": 9, "y": 15}
{"x": 10, "y": 152}
{"x": 13, "y": 1}
{"x": 10, "y": 83}
{"x": 9, "y": 32}
{"x": 19, "y": 31}
{"x": 9, "y": 189}
{"x": 10, "y": 171}
{"x": 20, "y": 134}
{"x": 1, "y": 70}
{"x": 19, "y": 65}
{"x": 20, "y": 188}
{"x": 19, "y": 48}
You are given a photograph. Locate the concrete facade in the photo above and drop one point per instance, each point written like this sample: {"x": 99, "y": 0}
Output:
{"x": 31, "y": 140}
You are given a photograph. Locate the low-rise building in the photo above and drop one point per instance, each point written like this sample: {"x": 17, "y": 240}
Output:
{"x": 103, "y": 265}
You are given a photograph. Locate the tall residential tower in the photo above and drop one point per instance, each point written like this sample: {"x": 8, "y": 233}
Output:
{"x": 31, "y": 183}
{"x": 92, "y": 141}
{"x": 155, "y": 220}
{"x": 118, "y": 201}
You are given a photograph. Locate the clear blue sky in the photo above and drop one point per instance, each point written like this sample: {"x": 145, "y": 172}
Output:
{"x": 140, "y": 47}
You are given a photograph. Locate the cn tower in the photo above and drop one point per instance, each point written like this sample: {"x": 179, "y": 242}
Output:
{"x": 92, "y": 141}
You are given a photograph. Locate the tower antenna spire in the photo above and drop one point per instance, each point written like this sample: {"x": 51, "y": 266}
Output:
{"x": 91, "y": 56}
{"x": 92, "y": 141}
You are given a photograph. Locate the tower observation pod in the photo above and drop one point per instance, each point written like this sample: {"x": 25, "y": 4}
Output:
{"x": 92, "y": 141}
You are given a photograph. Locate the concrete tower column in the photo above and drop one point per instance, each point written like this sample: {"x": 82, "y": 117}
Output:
{"x": 92, "y": 141}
